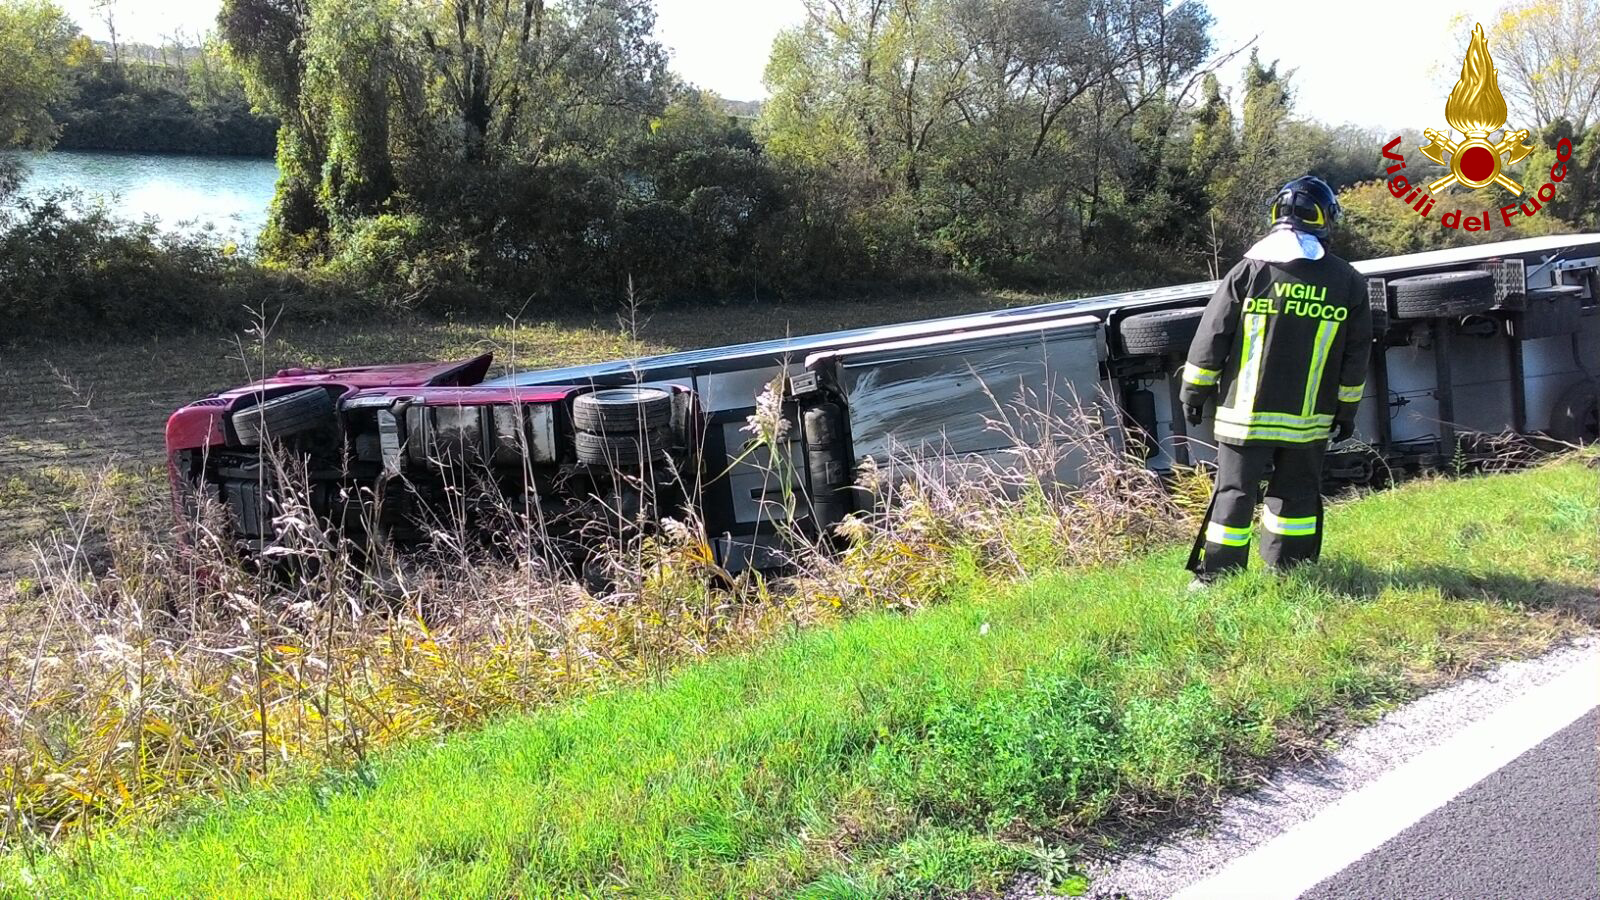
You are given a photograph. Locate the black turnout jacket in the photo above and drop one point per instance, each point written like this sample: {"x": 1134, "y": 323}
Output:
{"x": 1284, "y": 348}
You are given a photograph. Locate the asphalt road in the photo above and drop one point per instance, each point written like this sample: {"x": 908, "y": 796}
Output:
{"x": 1489, "y": 788}
{"x": 1531, "y": 829}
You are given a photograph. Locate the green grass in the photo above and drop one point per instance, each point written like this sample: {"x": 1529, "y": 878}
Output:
{"x": 909, "y": 755}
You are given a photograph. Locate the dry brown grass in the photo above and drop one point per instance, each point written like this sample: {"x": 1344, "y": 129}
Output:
{"x": 153, "y": 673}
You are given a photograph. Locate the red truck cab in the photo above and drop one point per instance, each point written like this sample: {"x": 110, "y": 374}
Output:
{"x": 392, "y": 448}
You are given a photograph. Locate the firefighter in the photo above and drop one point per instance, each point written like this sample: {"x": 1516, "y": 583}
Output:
{"x": 1283, "y": 349}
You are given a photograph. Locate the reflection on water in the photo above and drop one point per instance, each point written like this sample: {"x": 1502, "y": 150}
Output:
{"x": 229, "y": 194}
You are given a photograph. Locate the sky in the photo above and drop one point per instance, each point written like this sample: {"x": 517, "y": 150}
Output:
{"x": 1383, "y": 64}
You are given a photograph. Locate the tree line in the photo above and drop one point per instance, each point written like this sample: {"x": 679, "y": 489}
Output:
{"x": 546, "y": 149}
{"x": 66, "y": 91}
{"x": 467, "y": 154}
{"x": 174, "y": 97}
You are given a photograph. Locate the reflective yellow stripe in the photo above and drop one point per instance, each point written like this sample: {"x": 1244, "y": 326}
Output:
{"x": 1195, "y": 375}
{"x": 1289, "y": 527}
{"x": 1351, "y": 393}
{"x": 1255, "y": 331}
{"x": 1319, "y": 361}
{"x": 1279, "y": 420}
{"x": 1238, "y": 432}
{"x": 1218, "y": 533}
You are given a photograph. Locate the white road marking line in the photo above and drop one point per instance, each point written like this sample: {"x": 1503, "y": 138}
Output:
{"x": 1363, "y": 820}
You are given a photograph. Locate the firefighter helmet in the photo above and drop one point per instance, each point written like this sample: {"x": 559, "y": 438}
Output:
{"x": 1306, "y": 204}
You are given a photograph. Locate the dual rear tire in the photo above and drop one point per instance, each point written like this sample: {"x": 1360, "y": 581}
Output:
{"x": 622, "y": 427}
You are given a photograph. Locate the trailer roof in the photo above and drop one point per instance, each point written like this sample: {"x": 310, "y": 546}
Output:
{"x": 797, "y": 348}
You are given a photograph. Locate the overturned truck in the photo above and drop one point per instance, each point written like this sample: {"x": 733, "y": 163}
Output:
{"x": 1471, "y": 342}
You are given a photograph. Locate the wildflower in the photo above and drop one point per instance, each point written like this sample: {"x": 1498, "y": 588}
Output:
{"x": 677, "y": 532}
{"x": 769, "y": 426}
{"x": 869, "y": 477}
{"x": 852, "y": 528}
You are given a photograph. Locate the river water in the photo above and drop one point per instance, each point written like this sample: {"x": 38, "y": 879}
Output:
{"x": 227, "y": 194}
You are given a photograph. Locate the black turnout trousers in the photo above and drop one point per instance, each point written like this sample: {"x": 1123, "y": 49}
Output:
{"x": 1292, "y": 521}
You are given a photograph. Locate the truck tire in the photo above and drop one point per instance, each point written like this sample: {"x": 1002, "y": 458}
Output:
{"x": 1576, "y": 416}
{"x": 1443, "y": 295}
{"x": 284, "y": 416}
{"x": 620, "y": 450}
{"x": 1162, "y": 333}
{"x": 622, "y": 411}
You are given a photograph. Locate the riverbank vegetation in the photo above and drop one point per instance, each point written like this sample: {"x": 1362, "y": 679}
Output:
{"x": 60, "y": 89}
{"x": 900, "y": 733}
{"x": 173, "y": 98}
{"x": 466, "y": 159}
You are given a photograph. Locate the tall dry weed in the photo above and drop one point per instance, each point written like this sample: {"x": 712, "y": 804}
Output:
{"x": 157, "y": 672}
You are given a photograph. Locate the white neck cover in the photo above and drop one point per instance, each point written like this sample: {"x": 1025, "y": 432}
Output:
{"x": 1284, "y": 244}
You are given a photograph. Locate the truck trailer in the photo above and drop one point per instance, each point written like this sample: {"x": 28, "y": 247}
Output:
{"x": 1470, "y": 344}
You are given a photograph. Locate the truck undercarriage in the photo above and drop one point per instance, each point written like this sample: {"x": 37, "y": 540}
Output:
{"x": 1472, "y": 345}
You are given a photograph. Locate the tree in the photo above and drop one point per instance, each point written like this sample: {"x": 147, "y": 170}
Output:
{"x": 266, "y": 41}
{"x": 107, "y": 9}
{"x": 1213, "y": 147}
{"x": 407, "y": 101}
{"x": 37, "y": 45}
{"x": 993, "y": 130}
{"x": 1548, "y": 55}
{"x": 1265, "y": 155}
{"x": 1577, "y": 198}
{"x": 537, "y": 145}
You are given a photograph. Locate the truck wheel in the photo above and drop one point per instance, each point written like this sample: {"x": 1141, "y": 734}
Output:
{"x": 1576, "y": 416}
{"x": 1443, "y": 295}
{"x": 1161, "y": 333}
{"x": 622, "y": 411}
{"x": 622, "y": 449}
{"x": 284, "y": 416}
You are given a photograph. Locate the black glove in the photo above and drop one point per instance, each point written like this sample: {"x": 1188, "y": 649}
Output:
{"x": 1343, "y": 429}
{"x": 1194, "y": 414}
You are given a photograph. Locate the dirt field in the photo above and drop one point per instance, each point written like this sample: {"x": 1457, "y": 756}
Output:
{"x": 74, "y": 414}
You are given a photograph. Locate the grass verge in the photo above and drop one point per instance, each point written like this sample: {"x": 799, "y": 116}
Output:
{"x": 894, "y": 755}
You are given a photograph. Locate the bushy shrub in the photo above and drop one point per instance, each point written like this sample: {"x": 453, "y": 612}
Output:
{"x": 156, "y": 108}
{"x": 1377, "y": 224}
{"x": 71, "y": 272}
{"x": 77, "y": 272}
{"x": 401, "y": 261}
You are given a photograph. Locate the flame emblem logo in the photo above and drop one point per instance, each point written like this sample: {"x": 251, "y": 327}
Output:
{"x": 1476, "y": 108}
